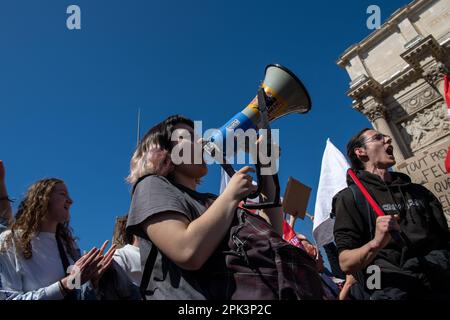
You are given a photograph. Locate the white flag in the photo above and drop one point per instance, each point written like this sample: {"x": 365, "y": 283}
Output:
{"x": 225, "y": 179}
{"x": 333, "y": 175}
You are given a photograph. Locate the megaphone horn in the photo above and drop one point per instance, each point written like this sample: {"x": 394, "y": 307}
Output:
{"x": 281, "y": 93}
{"x": 285, "y": 94}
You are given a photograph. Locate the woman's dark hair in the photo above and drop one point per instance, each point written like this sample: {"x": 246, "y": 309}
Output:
{"x": 356, "y": 142}
{"x": 152, "y": 155}
{"x": 161, "y": 134}
{"x": 122, "y": 236}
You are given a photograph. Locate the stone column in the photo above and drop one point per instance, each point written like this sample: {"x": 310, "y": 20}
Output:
{"x": 376, "y": 112}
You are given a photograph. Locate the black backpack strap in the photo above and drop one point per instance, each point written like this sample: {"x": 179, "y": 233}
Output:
{"x": 148, "y": 269}
{"x": 72, "y": 295}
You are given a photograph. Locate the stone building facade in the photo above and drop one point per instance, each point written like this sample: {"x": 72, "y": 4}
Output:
{"x": 397, "y": 82}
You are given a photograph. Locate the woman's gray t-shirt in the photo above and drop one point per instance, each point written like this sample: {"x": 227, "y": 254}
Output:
{"x": 154, "y": 195}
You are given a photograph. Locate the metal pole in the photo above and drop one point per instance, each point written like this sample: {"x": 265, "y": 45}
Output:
{"x": 138, "y": 137}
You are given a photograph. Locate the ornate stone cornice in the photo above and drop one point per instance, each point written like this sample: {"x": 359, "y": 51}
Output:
{"x": 421, "y": 49}
{"x": 373, "y": 109}
{"x": 406, "y": 75}
{"x": 444, "y": 40}
{"x": 363, "y": 86}
{"x": 358, "y": 106}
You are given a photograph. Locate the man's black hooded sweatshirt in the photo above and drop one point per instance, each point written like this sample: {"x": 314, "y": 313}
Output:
{"x": 421, "y": 220}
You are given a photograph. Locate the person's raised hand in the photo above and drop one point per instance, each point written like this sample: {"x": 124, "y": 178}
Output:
{"x": 384, "y": 226}
{"x": 90, "y": 266}
{"x": 104, "y": 263}
{"x": 240, "y": 185}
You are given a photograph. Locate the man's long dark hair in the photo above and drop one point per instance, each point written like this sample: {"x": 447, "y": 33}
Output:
{"x": 356, "y": 142}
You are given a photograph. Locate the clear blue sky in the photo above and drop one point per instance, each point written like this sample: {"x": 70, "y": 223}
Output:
{"x": 69, "y": 99}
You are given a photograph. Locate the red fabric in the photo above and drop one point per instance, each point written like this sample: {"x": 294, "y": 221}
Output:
{"x": 447, "y": 161}
{"x": 288, "y": 232}
{"x": 290, "y": 236}
{"x": 447, "y": 100}
{"x": 447, "y": 92}
{"x": 366, "y": 193}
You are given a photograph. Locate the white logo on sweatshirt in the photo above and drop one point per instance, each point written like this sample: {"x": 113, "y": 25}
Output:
{"x": 399, "y": 206}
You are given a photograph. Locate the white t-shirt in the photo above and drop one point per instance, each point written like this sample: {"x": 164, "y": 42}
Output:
{"x": 129, "y": 259}
{"x": 35, "y": 278}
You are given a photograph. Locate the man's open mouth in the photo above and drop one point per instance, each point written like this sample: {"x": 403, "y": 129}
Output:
{"x": 390, "y": 150}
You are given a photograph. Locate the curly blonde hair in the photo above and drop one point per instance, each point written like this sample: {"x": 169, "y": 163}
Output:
{"x": 30, "y": 214}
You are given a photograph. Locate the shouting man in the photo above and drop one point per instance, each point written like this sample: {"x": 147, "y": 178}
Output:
{"x": 408, "y": 247}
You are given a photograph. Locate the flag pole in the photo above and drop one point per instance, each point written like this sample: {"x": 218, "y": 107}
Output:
{"x": 138, "y": 136}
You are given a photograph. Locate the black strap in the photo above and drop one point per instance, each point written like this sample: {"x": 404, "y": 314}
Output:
{"x": 148, "y": 269}
{"x": 72, "y": 295}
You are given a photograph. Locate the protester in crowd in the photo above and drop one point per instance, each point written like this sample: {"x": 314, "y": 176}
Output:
{"x": 39, "y": 248}
{"x": 127, "y": 255}
{"x": 410, "y": 243}
{"x": 6, "y": 216}
{"x": 165, "y": 212}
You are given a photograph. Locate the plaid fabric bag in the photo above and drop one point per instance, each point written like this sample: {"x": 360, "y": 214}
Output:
{"x": 254, "y": 263}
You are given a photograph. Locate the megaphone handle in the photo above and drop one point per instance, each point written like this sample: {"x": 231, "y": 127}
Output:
{"x": 276, "y": 201}
{"x": 262, "y": 106}
{"x": 273, "y": 204}
{"x": 259, "y": 185}
{"x": 228, "y": 168}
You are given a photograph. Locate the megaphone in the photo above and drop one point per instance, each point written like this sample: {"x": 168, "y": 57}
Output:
{"x": 280, "y": 94}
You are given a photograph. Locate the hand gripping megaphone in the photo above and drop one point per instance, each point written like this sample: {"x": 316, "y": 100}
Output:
{"x": 281, "y": 93}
